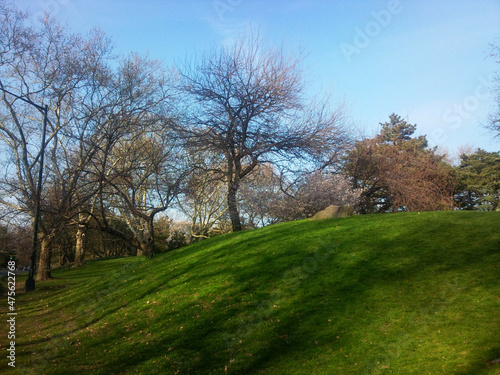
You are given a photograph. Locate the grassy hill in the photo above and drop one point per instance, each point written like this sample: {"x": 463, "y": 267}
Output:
{"x": 378, "y": 294}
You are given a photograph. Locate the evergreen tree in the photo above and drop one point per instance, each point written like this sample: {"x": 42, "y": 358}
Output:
{"x": 479, "y": 177}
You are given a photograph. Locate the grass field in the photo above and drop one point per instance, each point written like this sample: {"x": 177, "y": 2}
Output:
{"x": 408, "y": 293}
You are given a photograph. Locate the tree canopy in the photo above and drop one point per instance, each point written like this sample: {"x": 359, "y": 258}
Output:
{"x": 398, "y": 172}
{"x": 479, "y": 181}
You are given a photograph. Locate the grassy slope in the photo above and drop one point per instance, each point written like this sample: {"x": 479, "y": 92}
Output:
{"x": 387, "y": 294}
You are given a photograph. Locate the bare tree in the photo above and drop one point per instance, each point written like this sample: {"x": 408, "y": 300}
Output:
{"x": 120, "y": 106}
{"x": 145, "y": 177}
{"x": 138, "y": 168}
{"x": 260, "y": 196}
{"x": 45, "y": 65}
{"x": 203, "y": 199}
{"x": 247, "y": 104}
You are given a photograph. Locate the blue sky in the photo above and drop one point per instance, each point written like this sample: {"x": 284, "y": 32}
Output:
{"x": 424, "y": 60}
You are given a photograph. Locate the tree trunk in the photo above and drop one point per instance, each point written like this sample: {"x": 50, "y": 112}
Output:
{"x": 232, "y": 206}
{"x": 148, "y": 245}
{"x": 44, "y": 265}
{"x": 80, "y": 245}
{"x": 64, "y": 259}
{"x": 148, "y": 248}
{"x": 66, "y": 255}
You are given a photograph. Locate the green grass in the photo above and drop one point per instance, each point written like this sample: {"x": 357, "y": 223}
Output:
{"x": 378, "y": 294}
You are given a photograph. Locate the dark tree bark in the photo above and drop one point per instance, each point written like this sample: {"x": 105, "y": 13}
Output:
{"x": 232, "y": 205}
{"x": 44, "y": 266}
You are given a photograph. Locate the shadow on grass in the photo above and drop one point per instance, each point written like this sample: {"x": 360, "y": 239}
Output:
{"x": 242, "y": 331}
{"x": 490, "y": 361}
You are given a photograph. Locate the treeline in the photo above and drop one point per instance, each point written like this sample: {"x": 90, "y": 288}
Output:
{"x": 232, "y": 140}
